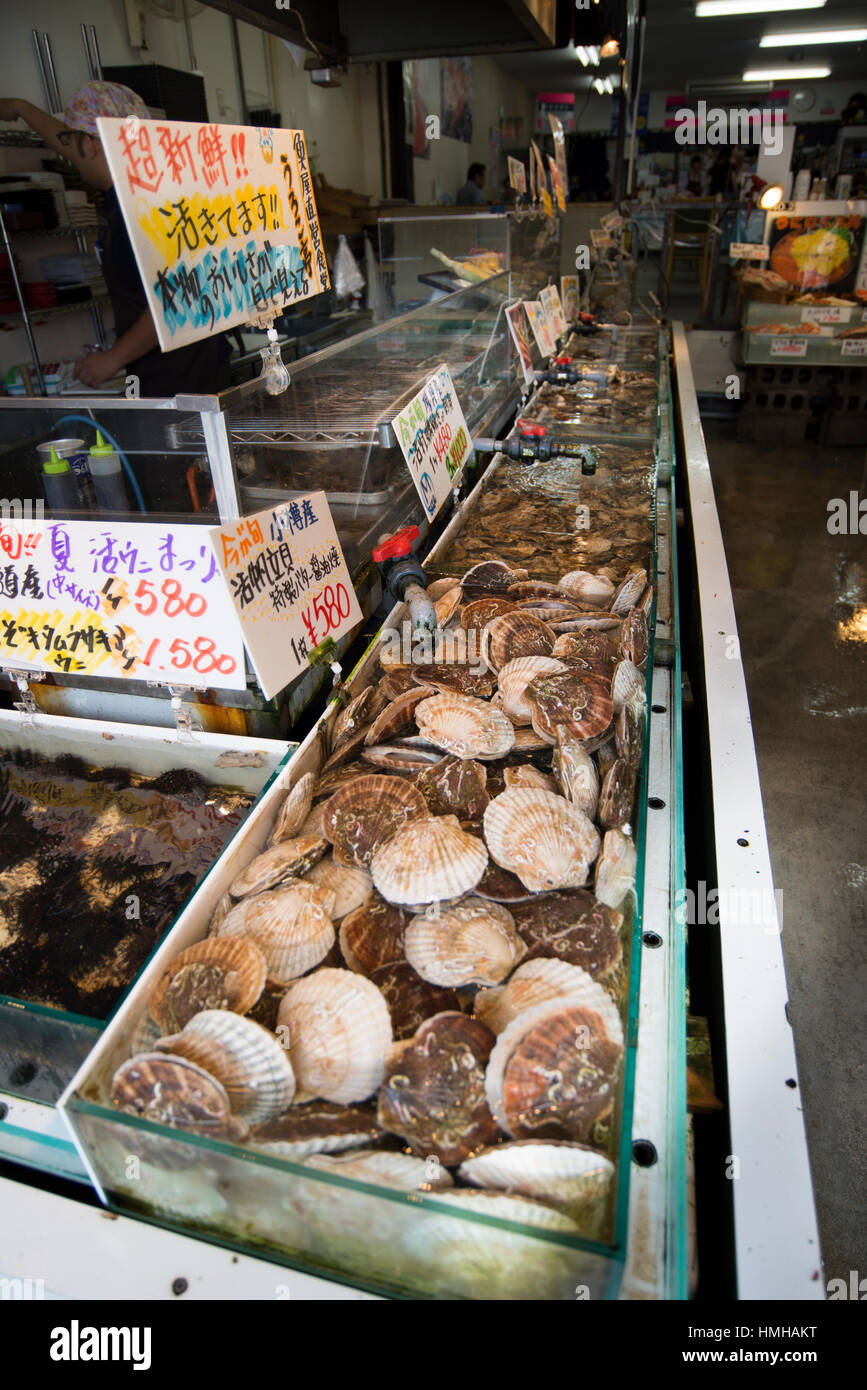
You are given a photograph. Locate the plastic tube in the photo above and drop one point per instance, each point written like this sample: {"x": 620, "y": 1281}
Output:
{"x": 86, "y": 420}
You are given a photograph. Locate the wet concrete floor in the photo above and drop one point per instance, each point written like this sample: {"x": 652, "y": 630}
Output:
{"x": 801, "y": 602}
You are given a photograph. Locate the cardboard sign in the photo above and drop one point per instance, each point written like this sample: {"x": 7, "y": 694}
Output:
{"x": 748, "y": 251}
{"x": 541, "y": 329}
{"x": 137, "y": 600}
{"x": 221, "y": 219}
{"x": 520, "y": 331}
{"x": 789, "y": 347}
{"x": 550, "y": 301}
{"x": 517, "y": 175}
{"x": 289, "y": 585}
{"x": 434, "y": 439}
{"x": 570, "y": 293}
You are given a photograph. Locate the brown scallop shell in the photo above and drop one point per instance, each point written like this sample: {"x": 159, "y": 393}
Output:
{"x": 629, "y": 736}
{"x": 634, "y": 637}
{"x": 345, "y": 753}
{"x": 527, "y": 775}
{"x": 339, "y": 777}
{"x": 628, "y": 593}
{"x": 171, "y": 1091}
{"x": 454, "y": 787}
{"x": 512, "y": 682}
{"x": 411, "y": 999}
{"x": 465, "y": 727}
{"x": 364, "y": 815}
{"x": 476, "y": 616}
{"x": 489, "y": 578}
{"x": 293, "y": 812}
{"x": 575, "y": 772}
{"x": 351, "y": 886}
{"x": 355, "y": 716}
{"x": 398, "y": 716}
{"x": 287, "y": 859}
{"x": 582, "y": 704}
{"x": 433, "y": 1090}
{"x": 528, "y": 741}
{"x": 402, "y": 758}
{"x": 550, "y": 611}
{"x": 516, "y": 634}
{"x": 534, "y": 588}
{"x": 372, "y": 936}
{"x": 499, "y": 886}
{"x": 219, "y": 972}
{"x": 554, "y": 1088}
{"x": 397, "y": 682}
{"x": 586, "y": 645}
{"x": 429, "y": 860}
{"x": 571, "y": 926}
{"x": 460, "y": 679}
{"x": 318, "y": 1126}
{"x": 617, "y": 796}
{"x": 592, "y": 621}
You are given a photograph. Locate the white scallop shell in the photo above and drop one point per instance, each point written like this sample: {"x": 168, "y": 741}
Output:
{"x": 244, "y": 1057}
{"x": 428, "y": 860}
{"x": 629, "y": 592}
{"x": 574, "y": 1179}
{"x": 627, "y": 686}
{"x": 350, "y": 885}
{"x": 294, "y": 811}
{"x": 536, "y": 982}
{"x": 615, "y": 868}
{"x": 339, "y": 1030}
{"x": 512, "y": 682}
{"x": 276, "y": 865}
{"x": 473, "y": 942}
{"x": 527, "y": 775}
{"x": 523, "y": 1211}
{"x": 594, "y": 589}
{"x": 541, "y": 837}
{"x": 576, "y": 772}
{"x": 464, "y": 726}
{"x": 291, "y": 925}
{"x": 399, "y": 1170}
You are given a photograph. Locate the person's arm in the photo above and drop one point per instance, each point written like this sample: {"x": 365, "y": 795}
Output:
{"x": 99, "y": 367}
{"x": 49, "y": 127}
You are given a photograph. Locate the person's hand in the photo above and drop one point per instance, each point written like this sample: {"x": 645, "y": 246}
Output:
{"x": 97, "y": 367}
{"x": 9, "y": 108}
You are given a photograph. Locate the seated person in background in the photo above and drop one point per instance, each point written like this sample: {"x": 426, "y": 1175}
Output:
{"x": 472, "y": 192}
{"x": 690, "y": 181}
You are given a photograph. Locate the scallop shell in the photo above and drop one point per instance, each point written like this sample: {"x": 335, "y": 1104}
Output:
{"x": 513, "y": 680}
{"x": 573, "y": 927}
{"x": 319, "y": 1126}
{"x": 576, "y": 772}
{"x": 584, "y": 646}
{"x": 538, "y": 981}
{"x": 533, "y": 589}
{"x": 544, "y": 839}
{"x": 312, "y": 823}
{"x": 594, "y": 589}
{"x": 438, "y": 587}
{"x": 361, "y": 817}
{"x": 339, "y": 1031}
{"x": 570, "y": 1177}
{"x": 346, "y": 753}
{"x": 476, "y": 616}
{"x": 448, "y": 604}
{"x": 606, "y": 757}
{"x": 171, "y": 1091}
{"x": 499, "y": 886}
{"x": 629, "y": 735}
{"x": 433, "y": 1089}
{"x": 372, "y": 936}
{"x": 411, "y": 999}
{"x": 464, "y": 726}
{"x": 528, "y": 741}
{"x": 398, "y": 716}
{"x": 144, "y": 1034}
{"x": 402, "y": 1171}
{"x": 291, "y": 925}
{"x": 397, "y": 682}
{"x": 502, "y": 1207}
{"x": 245, "y": 1058}
{"x": 351, "y": 887}
{"x": 294, "y": 811}
{"x": 428, "y": 861}
{"x": 645, "y": 604}
{"x": 551, "y": 611}
{"x": 473, "y": 942}
{"x": 356, "y": 715}
{"x": 235, "y": 979}
{"x": 454, "y": 786}
{"x": 286, "y": 859}
{"x": 403, "y": 758}
{"x": 617, "y": 796}
{"x": 634, "y": 637}
{"x": 458, "y": 678}
{"x": 580, "y": 704}
{"x": 222, "y": 910}
{"x": 560, "y": 1078}
{"x": 516, "y": 634}
{"x": 615, "y": 868}
{"x": 490, "y": 578}
{"x": 528, "y": 776}
{"x": 629, "y": 592}
{"x": 340, "y": 777}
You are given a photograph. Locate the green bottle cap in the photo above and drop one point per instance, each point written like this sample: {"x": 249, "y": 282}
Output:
{"x": 100, "y": 448}
{"x": 54, "y": 464}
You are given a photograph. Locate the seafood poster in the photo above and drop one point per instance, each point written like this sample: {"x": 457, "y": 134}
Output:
{"x": 817, "y": 252}
{"x": 540, "y": 326}
{"x": 221, "y": 218}
{"x": 571, "y": 297}
{"x": 520, "y": 331}
{"x": 138, "y": 600}
{"x": 550, "y": 301}
{"x": 289, "y": 585}
{"x": 434, "y": 439}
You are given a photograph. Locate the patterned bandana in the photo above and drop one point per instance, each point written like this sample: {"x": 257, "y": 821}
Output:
{"x": 102, "y": 99}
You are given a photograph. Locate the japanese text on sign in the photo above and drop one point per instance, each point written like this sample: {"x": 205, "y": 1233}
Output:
{"x": 550, "y": 301}
{"x": 142, "y": 601}
{"x": 222, "y": 221}
{"x": 289, "y": 585}
{"x": 434, "y": 439}
{"x": 539, "y": 324}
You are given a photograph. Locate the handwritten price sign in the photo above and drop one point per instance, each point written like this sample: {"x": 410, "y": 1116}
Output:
{"x": 141, "y": 601}
{"x": 550, "y": 301}
{"x": 289, "y": 585}
{"x": 434, "y": 439}
{"x": 541, "y": 328}
{"x": 221, "y": 218}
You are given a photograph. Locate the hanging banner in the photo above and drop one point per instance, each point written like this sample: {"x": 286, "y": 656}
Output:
{"x": 517, "y": 175}
{"x": 550, "y": 301}
{"x": 289, "y": 585}
{"x": 560, "y": 151}
{"x": 540, "y": 326}
{"x": 124, "y": 600}
{"x": 434, "y": 439}
{"x": 557, "y": 185}
{"x": 570, "y": 293}
{"x": 520, "y": 331}
{"x": 221, "y": 218}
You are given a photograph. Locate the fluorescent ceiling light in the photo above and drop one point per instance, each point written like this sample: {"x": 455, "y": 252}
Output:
{"x": 814, "y": 36}
{"x": 708, "y": 9}
{"x": 582, "y": 55}
{"x": 598, "y": 85}
{"x": 784, "y": 74}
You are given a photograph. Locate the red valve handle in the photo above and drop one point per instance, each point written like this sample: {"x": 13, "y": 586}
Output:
{"x": 587, "y": 318}
{"x": 398, "y": 544}
{"x": 528, "y": 428}
{"x": 563, "y": 361}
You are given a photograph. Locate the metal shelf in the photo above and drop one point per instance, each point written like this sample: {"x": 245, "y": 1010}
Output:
{"x": 22, "y": 139}
{"x": 36, "y": 315}
{"x": 65, "y": 233}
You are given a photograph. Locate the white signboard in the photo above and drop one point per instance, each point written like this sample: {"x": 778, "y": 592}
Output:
{"x": 854, "y": 347}
{"x": 540, "y": 326}
{"x": 827, "y": 313}
{"x": 137, "y": 600}
{"x": 748, "y": 251}
{"x": 434, "y": 439}
{"x": 520, "y": 331}
{"x": 221, "y": 219}
{"x": 550, "y": 301}
{"x": 289, "y": 585}
{"x": 789, "y": 347}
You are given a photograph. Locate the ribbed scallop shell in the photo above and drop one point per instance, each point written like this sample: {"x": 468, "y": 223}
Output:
{"x": 428, "y": 861}
{"x": 464, "y": 726}
{"x": 294, "y": 811}
{"x": 402, "y": 1171}
{"x": 615, "y": 868}
{"x": 634, "y": 637}
{"x": 617, "y": 796}
{"x": 405, "y": 759}
{"x": 411, "y": 999}
{"x": 438, "y": 587}
{"x": 178, "y": 994}
{"x": 594, "y": 589}
{"x": 318, "y": 1126}
{"x": 476, "y": 616}
{"x": 290, "y": 925}
{"x": 490, "y": 577}
{"x": 574, "y": 1179}
{"x": 585, "y": 646}
{"x": 339, "y": 1033}
{"x": 502, "y": 1206}
{"x": 171, "y": 1091}
{"x": 372, "y": 936}
{"x": 537, "y": 981}
{"x": 361, "y": 817}
{"x": 629, "y": 592}
{"x": 398, "y": 716}
{"x": 580, "y": 703}
{"x": 354, "y": 716}
{"x": 572, "y": 926}
{"x": 576, "y": 772}
{"x": 528, "y": 741}
{"x": 516, "y": 634}
{"x": 528, "y": 776}
{"x": 544, "y": 839}
{"x": 473, "y": 942}
{"x": 286, "y": 859}
{"x": 454, "y": 787}
{"x": 448, "y": 604}
{"x": 461, "y": 679}
{"x": 223, "y": 908}
{"x": 351, "y": 886}
{"x": 245, "y": 1058}
{"x": 513, "y": 680}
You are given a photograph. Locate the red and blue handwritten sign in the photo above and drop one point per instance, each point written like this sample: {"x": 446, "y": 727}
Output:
{"x": 142, "y": 601}
{"x": 222, "y": 220}
{"x": 289, "y": 585}
{"x": 434, "y": 439}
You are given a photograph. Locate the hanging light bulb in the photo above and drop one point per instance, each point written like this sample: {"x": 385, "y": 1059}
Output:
{"x": 610, "y": 48}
